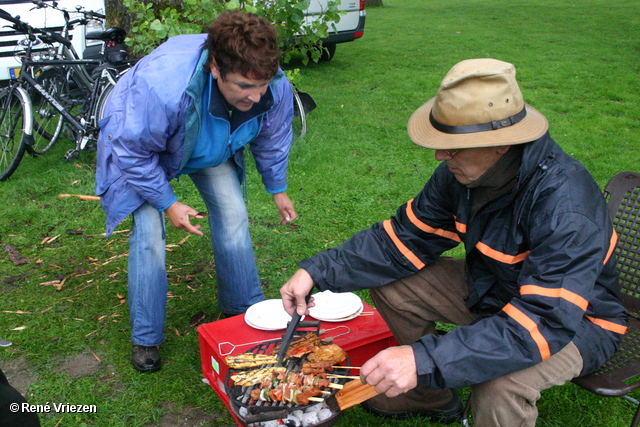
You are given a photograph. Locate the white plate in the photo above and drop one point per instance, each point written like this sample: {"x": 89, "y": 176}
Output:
{"x": 344, "y": 319}
{"x": 335, "y": 306}
{"x": 268, "y": 315}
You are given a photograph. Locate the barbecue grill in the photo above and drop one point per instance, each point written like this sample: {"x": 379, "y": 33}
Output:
{"x": 255, "y": 413}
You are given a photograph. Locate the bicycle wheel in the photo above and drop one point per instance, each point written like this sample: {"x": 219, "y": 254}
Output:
{"x": 47, "y": 121}
{"x": 102, "y": 102}
{"x": 12, "y": 137}
{"x": 299, "y": 123}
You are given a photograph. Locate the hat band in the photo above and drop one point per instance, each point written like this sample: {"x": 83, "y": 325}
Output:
{"x": 481, "y": 127}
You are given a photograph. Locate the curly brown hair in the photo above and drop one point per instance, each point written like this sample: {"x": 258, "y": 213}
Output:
{"x": 243, "y": 43}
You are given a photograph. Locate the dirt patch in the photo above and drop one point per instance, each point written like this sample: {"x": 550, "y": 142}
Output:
{"x": 81, "y": 365}
{"x": 186, "y": 417}
{"x": 19, "y": 373}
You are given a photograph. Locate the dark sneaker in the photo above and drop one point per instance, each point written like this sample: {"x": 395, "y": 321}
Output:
{"x": 146, "y": 359}
{"x": 410, "y": 405}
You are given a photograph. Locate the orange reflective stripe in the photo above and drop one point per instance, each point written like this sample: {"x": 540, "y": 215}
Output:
{"x": 401, "y": 247}
{"x": 499, "y": 256}
{"x": 424, "y": 227}
{"x": 555, "y": 293}
{"x": 612, "y": 246}
{"x": 530, "y": 326}
{"x": 609, "y": 326}
{"x": 461, "y": 227}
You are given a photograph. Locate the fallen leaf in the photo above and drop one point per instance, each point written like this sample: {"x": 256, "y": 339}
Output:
{"x": 14, "y": 278}
{"x": 181, "y": 242}
{"x": 50, "y": 283}
{"x": 19, "y": 328}
{"x": 17, "y": 259}
{"x": 46, "y": 309}
{"x": 92, "y": 259}
{"x": 47, "y": 240}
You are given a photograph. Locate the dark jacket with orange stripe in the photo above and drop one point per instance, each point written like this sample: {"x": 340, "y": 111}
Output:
{"x": 540, "y": 268}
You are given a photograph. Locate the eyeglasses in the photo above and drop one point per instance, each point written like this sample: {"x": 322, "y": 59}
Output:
{"x": 453, "y": 152}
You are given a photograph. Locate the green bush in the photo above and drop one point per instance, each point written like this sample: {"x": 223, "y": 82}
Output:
{"x": 297, "y": 37}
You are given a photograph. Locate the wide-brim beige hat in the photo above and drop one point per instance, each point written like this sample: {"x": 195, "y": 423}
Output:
{"x": 478, "y": 104}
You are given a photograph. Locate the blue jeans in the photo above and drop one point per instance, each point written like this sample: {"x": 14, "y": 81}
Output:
{"x": 237, "y": 275}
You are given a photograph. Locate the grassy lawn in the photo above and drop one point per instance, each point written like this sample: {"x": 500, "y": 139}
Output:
{"x": 65, "y": 308}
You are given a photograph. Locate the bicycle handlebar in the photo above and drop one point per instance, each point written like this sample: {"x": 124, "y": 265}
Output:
{"x": 87, "y": 13}
{"x": 7, "y": 17}
{"x": 25, "y": 28}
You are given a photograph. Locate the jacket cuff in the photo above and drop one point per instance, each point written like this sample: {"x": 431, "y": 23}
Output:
{"x": 424, "y": 365}
{"x": 276, "y": 186}
{"x": 166, "y": 205}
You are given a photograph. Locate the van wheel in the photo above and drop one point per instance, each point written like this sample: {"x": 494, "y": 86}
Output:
{"x": 328, "y": 51}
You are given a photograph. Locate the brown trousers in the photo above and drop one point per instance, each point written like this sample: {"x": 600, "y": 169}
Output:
{"x": 412, "y": 305}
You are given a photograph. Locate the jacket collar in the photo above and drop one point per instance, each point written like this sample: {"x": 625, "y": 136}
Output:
{"x": 535, "y": 155}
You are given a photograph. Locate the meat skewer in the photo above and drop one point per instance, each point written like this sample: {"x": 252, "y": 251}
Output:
{"x": 291, "y": 387}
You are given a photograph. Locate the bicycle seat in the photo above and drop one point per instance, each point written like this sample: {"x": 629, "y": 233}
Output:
{"x": 116, "y": 34}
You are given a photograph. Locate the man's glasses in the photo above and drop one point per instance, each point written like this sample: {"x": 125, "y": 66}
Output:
{"x": 453, "y": 152}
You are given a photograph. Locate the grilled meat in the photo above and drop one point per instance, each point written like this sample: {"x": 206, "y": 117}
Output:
{"x": 329, "y": 353}
{"x": 250, "y": 360}
{"x": 255, "y": 376}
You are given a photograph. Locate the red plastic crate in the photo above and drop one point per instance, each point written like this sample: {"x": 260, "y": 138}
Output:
{"x": 361, "y": 338}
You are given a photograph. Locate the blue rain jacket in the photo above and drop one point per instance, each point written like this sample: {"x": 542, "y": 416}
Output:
{"x": 152, "y": 121}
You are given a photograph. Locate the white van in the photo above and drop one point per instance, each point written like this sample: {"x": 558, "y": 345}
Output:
{"x": 349, "y": 28}
{"x": 42, "y": 18}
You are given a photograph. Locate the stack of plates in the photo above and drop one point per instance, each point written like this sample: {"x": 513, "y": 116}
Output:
{"x": 336, "y": 307}
{"x": 268, "y": 315}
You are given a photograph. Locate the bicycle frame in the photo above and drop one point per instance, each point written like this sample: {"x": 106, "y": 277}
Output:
{"x": 25, "y": 75}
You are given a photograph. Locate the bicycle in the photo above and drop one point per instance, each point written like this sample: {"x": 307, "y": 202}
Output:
{"x": 80, "y": 77}
{"x": 302, "y": 104}
{"x": 34, "y": 128}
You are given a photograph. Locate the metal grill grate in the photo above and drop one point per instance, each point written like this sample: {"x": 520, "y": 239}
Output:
{"x": 239, "y": 397}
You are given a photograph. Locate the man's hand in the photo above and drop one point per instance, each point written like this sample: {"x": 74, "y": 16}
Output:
{"x": 392, "y": 371}
{"x": 179, "y": 213}
{"x": 295, "y": 291}
{"x": 285, "y": 208}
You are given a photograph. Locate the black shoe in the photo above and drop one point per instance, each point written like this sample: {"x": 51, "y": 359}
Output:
{"x": 446, "y": 414}
{"x": 146, "y": 359}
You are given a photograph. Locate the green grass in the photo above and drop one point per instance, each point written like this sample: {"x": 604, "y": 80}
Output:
{"x": 577, "y": 63}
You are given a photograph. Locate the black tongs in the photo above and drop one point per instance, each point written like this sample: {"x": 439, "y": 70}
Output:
{"x": 291, "y": 329}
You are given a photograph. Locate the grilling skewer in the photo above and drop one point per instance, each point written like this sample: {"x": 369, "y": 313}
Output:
{"x": 350, "y": 377}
